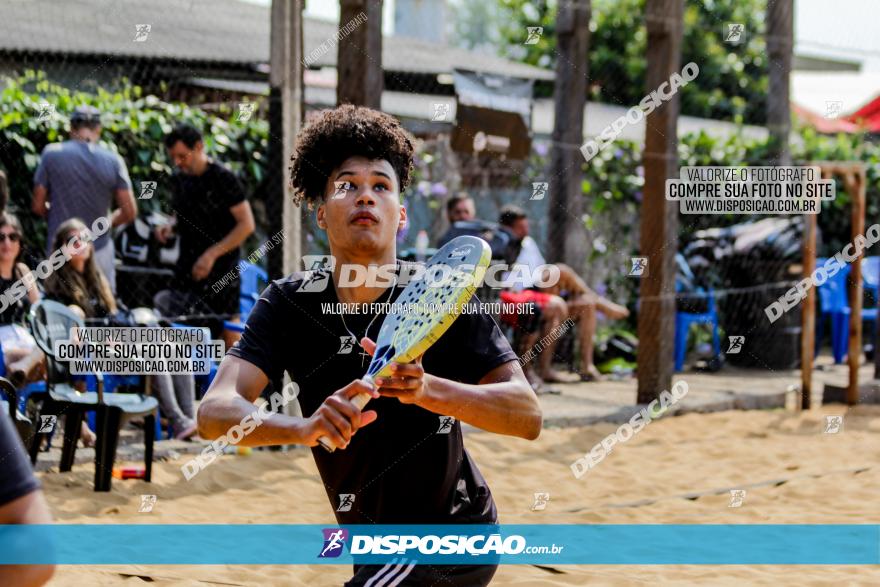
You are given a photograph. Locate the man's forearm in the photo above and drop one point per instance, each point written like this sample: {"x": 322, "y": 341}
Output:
{"x": 126, "y": 208}
{"x": 218, "y": 416}
{"x": 233, "y": 240}
{"x": 118, "y": 217}
{"x": 39, "y": 201}
{"x": 507, "y": 407}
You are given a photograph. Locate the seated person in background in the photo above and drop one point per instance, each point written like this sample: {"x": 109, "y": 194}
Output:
{"x": 461, "y": 213}
{"x": 212, "y": 218}
{"x": 21, "y": 502}
{"x": 81, "y": 285}
{"x": 24, "y": 360}
{"x": 460, "y": 207}
{"x": 579, "y": 303}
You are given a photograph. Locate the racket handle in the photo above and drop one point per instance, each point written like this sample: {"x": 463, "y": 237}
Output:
{"x": 360, "y": 400}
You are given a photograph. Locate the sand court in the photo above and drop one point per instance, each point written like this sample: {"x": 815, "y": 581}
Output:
{"x": 678, "y": 470}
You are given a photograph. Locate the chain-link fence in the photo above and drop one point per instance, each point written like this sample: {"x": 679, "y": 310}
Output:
{"x": 206, "y": 63}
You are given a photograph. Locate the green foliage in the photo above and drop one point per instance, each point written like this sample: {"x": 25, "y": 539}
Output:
{"x": 732, "y": 84}
{"x": 134, "y": 126}
{"x": 613, "y": 183}
{"x": 701, "y": 149}
{"x": 834, "y": 221}
{"x": 475, "y": 25}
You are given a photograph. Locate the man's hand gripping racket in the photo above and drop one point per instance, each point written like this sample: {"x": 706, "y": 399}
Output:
{"x": 433, "y": 303}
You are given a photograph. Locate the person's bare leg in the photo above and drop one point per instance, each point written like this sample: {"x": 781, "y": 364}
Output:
{"x": 572, "y": 282}
{"x": 86, "y": 436}
{"x": 554, "y": 313}
{"x": 25, "y": 366}
{"x": 610, "y": 309}
{"x": 183, "y": 425}
{"x": 12, "y": 354}
{"x": 584, "y": 309}
{"x": 528, "y": 342}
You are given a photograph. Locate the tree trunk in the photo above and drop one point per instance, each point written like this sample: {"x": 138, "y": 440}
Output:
{"x": 359, "y": 60}
{"x": 780, "y": 31}
{"x": 659, "y": 221}
{"x": 567, "y": 235}
{"x": 285, "y": 119}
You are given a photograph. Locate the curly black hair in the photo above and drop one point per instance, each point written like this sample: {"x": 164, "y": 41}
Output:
{"x": 343, "y": 132}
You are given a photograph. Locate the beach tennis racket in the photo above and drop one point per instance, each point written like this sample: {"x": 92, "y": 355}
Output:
{"x": 426, "y": 308}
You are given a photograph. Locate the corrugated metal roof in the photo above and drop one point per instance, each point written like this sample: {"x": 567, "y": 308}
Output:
{"x": 597, "y": 116}
{"x": 208, "y": 30}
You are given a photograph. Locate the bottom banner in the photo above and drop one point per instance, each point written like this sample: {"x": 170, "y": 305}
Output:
{"x": 293, "y": 544}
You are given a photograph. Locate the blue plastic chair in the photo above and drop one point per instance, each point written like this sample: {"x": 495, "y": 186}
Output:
{"x": 253, "y": 280}
{"x": 202, "y": 382}
{"x": 824, "y": 310}
{"x": 871, "y": 276}
{"x": 834, "y": 302}
{"x": 683, "y": 322}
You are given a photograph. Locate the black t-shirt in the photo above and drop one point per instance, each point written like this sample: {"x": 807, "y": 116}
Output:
{"x": 17, "y": 478}
{"x": 400, "y": 468}
{"x": 202, "y": 203}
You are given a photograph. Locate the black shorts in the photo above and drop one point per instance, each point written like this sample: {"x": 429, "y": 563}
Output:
{"x": 405, "y": 573}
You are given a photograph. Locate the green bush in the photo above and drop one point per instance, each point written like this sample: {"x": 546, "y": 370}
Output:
{"x": 732, "y": 84}
{"x": 134, "y": 126}
{"x": 613, "y": 183}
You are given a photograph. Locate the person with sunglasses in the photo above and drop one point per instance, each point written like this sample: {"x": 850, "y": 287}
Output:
{"x": 82, "y": 286}
{"x": 24, "y": 360}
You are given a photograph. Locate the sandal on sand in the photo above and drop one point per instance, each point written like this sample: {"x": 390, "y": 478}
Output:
{"x": 591, "y": 377}
{"x": 559, "y": 377}
{"x": 540, "y": 389}
{"x": 538, "y": 386}
{"x": 544, "y": 390}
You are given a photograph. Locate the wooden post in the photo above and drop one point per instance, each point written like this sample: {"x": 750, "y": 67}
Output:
{"x": 285, "y": 119}
{"x": 567, "y": 237}
{"x": 359, "y": 59}
{"x": 780, "y": 27}
{"x": 855, "y": 187}
{"x": 659, "y": 217}
{"x": 808, "y": 315}
{"x": 854, "y": 177}
{"x": 876, "y": 335}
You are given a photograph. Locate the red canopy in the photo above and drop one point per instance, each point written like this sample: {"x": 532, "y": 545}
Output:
{"x": 868, "y": 116}
{"x": 829, "y": 125}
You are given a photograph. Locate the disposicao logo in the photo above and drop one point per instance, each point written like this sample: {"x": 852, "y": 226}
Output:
{"x": 334, "y": 542}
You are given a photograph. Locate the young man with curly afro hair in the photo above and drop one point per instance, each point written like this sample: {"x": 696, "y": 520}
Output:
{"x": 402, "y": 459}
